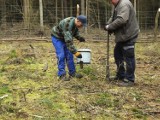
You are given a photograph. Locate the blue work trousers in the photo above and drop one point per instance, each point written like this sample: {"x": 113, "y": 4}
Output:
{"x": 64, "y": 56}
{"x": 124, "y": 53}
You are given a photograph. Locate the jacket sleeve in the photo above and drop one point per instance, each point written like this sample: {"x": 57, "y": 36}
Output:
{"x": 69, "y": 42}
{"x": 121, "y": 18}
{"x": 110, "y": 20}
{"x": 77, "y": 35}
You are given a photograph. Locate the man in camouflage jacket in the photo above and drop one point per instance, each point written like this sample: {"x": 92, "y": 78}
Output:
{"x": 124, "y": 25}
{"x": 62, "y": 39}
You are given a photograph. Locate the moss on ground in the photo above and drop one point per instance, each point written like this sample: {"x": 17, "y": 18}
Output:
{"x": 27, "y": 92}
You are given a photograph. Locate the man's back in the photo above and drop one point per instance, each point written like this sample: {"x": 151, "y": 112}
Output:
{"x": 64, "y": 25}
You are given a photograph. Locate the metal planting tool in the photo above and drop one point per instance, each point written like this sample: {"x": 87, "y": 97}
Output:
{"x": 81, "y": 64}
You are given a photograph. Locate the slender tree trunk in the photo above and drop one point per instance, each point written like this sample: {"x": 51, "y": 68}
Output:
{"x": 106, "y": 13}
{"x": 156, "y": 24}
{"x": 41, "y": 14}
{"x": 65, "y": 9}
{"x": 98, "y": 13}
{"x": 3, "y": 14}
{"x": 77, "y": 10}
{"x": 56, "y": 12}
{"x": 135, "y": 5}
{"x": 87, "y": 5}
{"x": 82, "y": 7}
{"x": 27, "y": 13}
{"x": 71, "y": 7}
{"x": 138, "y": 11}
{"x": 62, "y": 9}
{"x": 87, "y": 8}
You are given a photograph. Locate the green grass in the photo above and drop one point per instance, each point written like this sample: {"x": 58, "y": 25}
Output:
{"x": 34, "y": 94}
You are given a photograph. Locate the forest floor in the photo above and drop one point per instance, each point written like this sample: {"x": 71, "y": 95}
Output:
{"x": 27, "y": 92}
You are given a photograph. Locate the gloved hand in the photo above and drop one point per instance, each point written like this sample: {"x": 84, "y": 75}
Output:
{"x": 106, "y": 27}
{"x": 81, "y": 39}
{"x": 110, "y": 32}
{"x": 78, "y": 55}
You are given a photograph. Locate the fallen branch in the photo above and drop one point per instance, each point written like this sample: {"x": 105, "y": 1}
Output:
{"x": 4, "y": 96}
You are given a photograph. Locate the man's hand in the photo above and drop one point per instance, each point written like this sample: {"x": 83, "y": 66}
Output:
{"x": 81, "y": 39}
{"x": 78, "y": 55}
{"x": 106, "y": 27}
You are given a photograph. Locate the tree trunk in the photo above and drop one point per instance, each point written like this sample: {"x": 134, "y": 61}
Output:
{"x": 77, "y": 10}
{"x": 135, "y": 5}
{"x": 82, "y": 7}
{"x": 156, "y": 24}
{"x": 56, "y": 12}
{"x": 65, "y": 9}
{"x": 62, "y": 9}
{"x": 3, "y": 14}
{"x": 98, "y": 13}
{"x": 41, "y": 14}
{"x": 27, "y": 13}
{"x": 87, "y": 5}
{"x": 71, "y": 7}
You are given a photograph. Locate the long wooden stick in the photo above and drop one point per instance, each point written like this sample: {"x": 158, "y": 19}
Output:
{"x": 107, "y": 65}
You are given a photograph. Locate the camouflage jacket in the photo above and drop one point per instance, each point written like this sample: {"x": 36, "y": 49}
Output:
{"x": 65, "y": 31}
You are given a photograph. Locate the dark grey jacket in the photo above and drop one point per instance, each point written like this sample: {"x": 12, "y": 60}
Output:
{"x": 123, "y": 22}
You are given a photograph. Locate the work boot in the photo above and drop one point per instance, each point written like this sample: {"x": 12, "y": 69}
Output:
{"x": 115, "y": 78}
{"x": 126, "y": 83}
{"x": 64, "y": 78}
{"x": 76, "y": 75}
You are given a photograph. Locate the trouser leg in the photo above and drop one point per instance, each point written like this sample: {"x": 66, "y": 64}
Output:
{"x": 119, "y": 60}
{"x": 60, "y": 53}
{"x": 70, "y": 61}
{"x": 130, "y": 61}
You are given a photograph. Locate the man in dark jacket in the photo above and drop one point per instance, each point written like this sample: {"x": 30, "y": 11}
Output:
{"x": 62, "y": 39}
{"x": 124, "y": 25}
